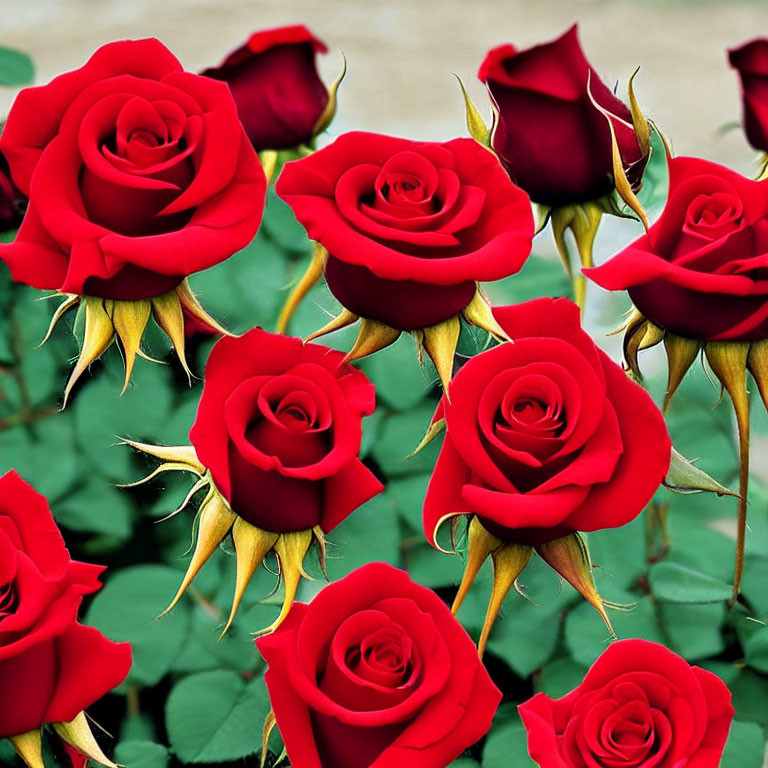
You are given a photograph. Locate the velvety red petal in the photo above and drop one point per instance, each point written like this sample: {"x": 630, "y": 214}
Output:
{"x": 345, "y": 491}
{"x": 89, "y": 666}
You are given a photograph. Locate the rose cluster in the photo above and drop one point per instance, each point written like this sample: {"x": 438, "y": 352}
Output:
{"x": 136, "y": 174}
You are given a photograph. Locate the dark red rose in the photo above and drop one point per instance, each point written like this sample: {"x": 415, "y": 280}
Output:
{"x": 546, "y": 435}
{"x": 410, "y": 226}
{"x": 138, "y": 175}
{"x": 553, "y": 141}
{"x": 51, "y": 667}
{"x": 751, "y": 62}
{"x": 640, "y": 705}
{"x": 274, "y": 81}
{"x": 279, "y": 428}
{"x": 701, "y": 271}
{"x": 376, "y": 673}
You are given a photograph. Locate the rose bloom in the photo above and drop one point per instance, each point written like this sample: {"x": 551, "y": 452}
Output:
{"x": 553, "y": 141}
{"x": 51, "y": 667}
{"x": 138, "y": 175}
{"x": 274, "y": 81}
{"x": 376, "y": 673}
{"x": 279, "y": 427}
{"x": 545, "y": 435}
{"x": 700, "y": 271}
{"x": 751, "y": 62}
{"x": 639, "y": 706}
{"x": 409, "y": 226}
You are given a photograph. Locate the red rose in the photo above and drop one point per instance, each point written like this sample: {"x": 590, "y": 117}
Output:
{"x": 276, "y": 443}
{"x": 699, "y": 271}
{"x": 546, "y": 435}
{"x": 279, "y": 428}
{"x": 274, "y": 81}
{"x": 51, "y": 667}
{"x": 376, "y": 673}
{"x": 410, "y": 226}
{"x": 639, "y": 705}
{"x": 138, "y": 174}
{"x": 751, "y": 62}
{"x": 553, "y": 141}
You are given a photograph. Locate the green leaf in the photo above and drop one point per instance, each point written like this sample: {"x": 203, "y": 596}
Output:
{"x": 400, "y": 434}
{"x": 141, "y": 754}
{"x": 16, "y": 67}
{"x": 125, "y": 610}
{"x": 412, "y": 382}
{"x": 695, "y": 630}
{"x": 684, "y": 477}
{"x": 745, "y": 747}
{"x": 507, "y": 745}
{"x": 559, "y": 677}
{"x": 369, "y": 534}
{"x": 753, "y": 585}
{"x": 587, "y": 637}
{"x": 97, "y": 507}
{"x": 216, "y": 717}
{"x": 679, "y": 584}
{"x": 102, "y": 416}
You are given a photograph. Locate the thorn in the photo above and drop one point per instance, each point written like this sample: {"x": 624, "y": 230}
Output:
{"x": 328, "y": 113}
{"x": 476, "y": 126}
{"x": 77, "y": 733}
{"x": 569, "y": 556}
{"x": 639, "y": 123}
{"x": 342, "y": 320}
{"x": 170, "y": 317}
{"x": 192, "y": 305}
{"x": 269, "y": 725}
{"x": 130, "y": 319}
{"x": 372, "y": 337}
{"x": 478, "y": 312}
{"x": 757, "y": 363}
{"x": 70, "y": 301}
{"x": 290, "y": 548}
{"x": 251, "y": 547}
{"x": 184, "y": 454}
{"x": 302, "y": 288}
{"x": 99, "y": 334}
{"x": 728, "y": 360}
{"x": 216, "y": 520}
{"x": 681, "y": 353}
{"x": 623, "y": 187}
{"x": 440, "y": 342}
{"x": 434, "y": 430}
{"x": 509, "y": 560}
{"x": 480, "y": 544}
{"x": 29, "y": 747}
{"x": 452, "y": 516}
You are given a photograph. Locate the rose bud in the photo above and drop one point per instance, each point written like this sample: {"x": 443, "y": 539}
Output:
{"x": 281, "y": 100}
{"x": 138, "y": 175}
{"x": 640, "y": 704}
{"x": 751, "y": 62}
{"x": 697, "y": 281}
{"x": 376, "y": 672}
{"x": 406, "y": 230}
{"x": 275, "y": 445}
{"x": 564, "y": 137}
{"x": 544, "y": 437}
{"x": 51, "y": 667}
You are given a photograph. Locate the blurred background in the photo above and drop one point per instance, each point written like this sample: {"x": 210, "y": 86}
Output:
{"x": 401, "y": 53}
